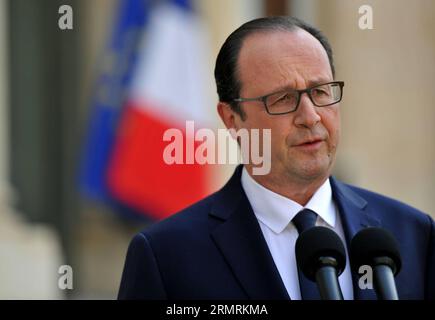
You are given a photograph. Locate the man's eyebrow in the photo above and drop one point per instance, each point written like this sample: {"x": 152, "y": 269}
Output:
{"x": 315, "y": 82}
{"x": 311, "y": 83}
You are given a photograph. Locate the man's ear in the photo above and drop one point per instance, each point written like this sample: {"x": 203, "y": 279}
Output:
{"x": 229, "y": 117}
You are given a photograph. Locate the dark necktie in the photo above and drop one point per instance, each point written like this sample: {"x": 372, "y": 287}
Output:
{"x": 305, "y": 220}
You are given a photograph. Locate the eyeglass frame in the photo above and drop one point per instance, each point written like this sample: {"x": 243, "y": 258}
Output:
{"x": 300, "y": 92}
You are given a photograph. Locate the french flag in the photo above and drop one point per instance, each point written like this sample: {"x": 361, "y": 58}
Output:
{"x": 170, "y": 86}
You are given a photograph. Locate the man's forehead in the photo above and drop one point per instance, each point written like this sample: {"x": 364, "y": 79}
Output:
{"x": 293, "y": 43}
{"x": 286, "y": 54}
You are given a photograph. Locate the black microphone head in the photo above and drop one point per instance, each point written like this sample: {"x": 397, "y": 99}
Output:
{"x": 371, "y": 243}
{"x": 316, "y": 243}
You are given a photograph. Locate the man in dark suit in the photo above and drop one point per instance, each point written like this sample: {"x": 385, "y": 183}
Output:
{"x": 278, "y": 74}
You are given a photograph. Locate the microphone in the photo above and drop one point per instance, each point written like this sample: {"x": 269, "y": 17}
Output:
{"x": 321, "y": 257}
{"x": 377, "y": 248}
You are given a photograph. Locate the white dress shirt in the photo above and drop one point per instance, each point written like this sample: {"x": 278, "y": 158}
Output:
{"x": 275, "y": 213}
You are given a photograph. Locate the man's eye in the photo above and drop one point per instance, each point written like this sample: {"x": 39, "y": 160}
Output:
{"x": 282, "y": 99}
{"x": 286, "y": 97}
{"x": 320, "y": 92}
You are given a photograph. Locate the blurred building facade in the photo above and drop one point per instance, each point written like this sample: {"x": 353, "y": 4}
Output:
{"x": 388, "y": 115}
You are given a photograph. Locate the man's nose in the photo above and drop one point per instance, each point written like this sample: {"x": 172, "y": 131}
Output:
{"x": 306, "y": 114}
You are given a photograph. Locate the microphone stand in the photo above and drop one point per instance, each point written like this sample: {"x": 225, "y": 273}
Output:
{"x": 327, "y": 279}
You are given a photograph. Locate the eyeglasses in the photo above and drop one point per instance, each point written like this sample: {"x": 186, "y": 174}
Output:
{"x": 287, "y": 101}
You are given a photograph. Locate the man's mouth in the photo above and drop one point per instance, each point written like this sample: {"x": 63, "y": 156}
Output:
{"x": 310, "y": 144}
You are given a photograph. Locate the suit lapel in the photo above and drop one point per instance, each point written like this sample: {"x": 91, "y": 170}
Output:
{"x": 354, "y": 216}
{"x": 241, "y": 242}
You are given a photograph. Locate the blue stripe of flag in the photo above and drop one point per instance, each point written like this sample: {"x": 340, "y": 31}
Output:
{"x": 117, "y": 65}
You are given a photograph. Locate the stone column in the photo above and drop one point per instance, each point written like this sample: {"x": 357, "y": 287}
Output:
{"x": 29, "y": 254}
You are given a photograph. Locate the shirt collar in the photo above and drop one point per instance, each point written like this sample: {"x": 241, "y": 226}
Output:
{"x": 277, "y": 211}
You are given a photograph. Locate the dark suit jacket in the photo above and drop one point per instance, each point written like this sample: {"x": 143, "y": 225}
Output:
{"x": 216, "y": 250}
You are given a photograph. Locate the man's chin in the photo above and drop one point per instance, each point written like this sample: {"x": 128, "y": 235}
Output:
{"x": 312, "y": 171}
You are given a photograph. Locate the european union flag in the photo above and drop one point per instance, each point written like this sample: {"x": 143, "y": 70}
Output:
{"x": 116, "y": 68}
